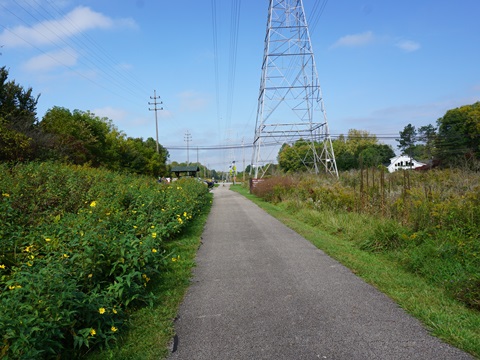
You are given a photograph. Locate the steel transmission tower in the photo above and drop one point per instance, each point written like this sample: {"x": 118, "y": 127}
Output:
{"x": 290, "y": 103}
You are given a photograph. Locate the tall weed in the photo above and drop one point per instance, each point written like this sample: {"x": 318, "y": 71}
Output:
{"x": 430, "y": 221}
{"x": 78, "y": 247}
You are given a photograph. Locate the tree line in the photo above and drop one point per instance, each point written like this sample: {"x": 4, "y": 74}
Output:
{"x": 453, "y": 142}
{"x": 75, "y": 137}
{"x": 81, "y": 137}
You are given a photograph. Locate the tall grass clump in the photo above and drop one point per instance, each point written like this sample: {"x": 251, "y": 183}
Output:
{"x": 427, "y": 221}
{"x": 78, "y": 247}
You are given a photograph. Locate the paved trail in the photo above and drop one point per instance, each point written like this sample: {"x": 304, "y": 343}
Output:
{"x": 261, "y": 291}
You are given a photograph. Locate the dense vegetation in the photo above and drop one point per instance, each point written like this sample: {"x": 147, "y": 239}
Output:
{"x": 78, "y": 249}
{"x": 430, "y": 221}
{"x": 77, "y": 137}
{"x": 454, "y": 142}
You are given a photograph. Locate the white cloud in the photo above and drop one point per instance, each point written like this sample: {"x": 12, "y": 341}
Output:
{"x": 355, "y": 40}
{"x": 368, "y": 37}
{"x": 408, "y": 45}
{"x": 77, "y": 21}
{"x": 192, "y": 101}
{"x": 48, "y": 61}
{"x": 111, "y": 113}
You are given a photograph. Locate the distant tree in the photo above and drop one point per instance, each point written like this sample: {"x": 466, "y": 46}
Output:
{"x": 73, "y": 139}
{"x": 376, "y": 154}
{"x": 18, "y": 121}
{"x": 407, "y": 140}
{"x": 348, "y": 150}
{"x": 427, "y": 135}
{"x": 458, "y": 136}
{"x": 358, "y": 140}
{"x": 81, "y": 137}
{"x": 298, "y": 157}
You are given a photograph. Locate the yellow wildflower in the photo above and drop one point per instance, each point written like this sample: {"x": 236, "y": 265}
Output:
{"x": 114, "y": 311}
{"x": 113, "y": 328}
{"x": 48, "y": 239}
{"x": 90, "y": 275}
{"x": 101, "y": 311}
{"x": 152, "y": 227}
{"x": 93, "y": 204}
{"x": 93, "y": 332}
{"x": 2, "y": 266}
{"x": 65, "y": 256}
{"x": 174, "y": 259}
{"x": 185, "y": 214}
{"x": 154, "y": 250}
{"x": 5, "y": 195}
{"x": 180, "y": 220}
{"x": 154, "y": 235}
{"x": 29, "y": 264}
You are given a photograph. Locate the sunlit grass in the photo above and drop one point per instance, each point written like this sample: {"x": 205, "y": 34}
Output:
{"x": 341, "y": 235}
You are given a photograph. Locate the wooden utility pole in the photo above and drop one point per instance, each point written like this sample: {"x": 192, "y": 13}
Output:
{"x": 155, "y": 108}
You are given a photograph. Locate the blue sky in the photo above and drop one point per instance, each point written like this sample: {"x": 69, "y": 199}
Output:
{"x": 382, "y": 64}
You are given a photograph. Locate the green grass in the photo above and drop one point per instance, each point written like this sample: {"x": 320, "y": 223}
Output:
{"x": 341, "y": 237}
{"x": 152, "y": 328}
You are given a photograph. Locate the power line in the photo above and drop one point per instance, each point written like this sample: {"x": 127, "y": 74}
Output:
{"x": 249, "y": 146}
{"x": 105, "y": 65}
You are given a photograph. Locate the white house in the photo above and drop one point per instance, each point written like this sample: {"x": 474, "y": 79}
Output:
{"x": 403, "y": 162}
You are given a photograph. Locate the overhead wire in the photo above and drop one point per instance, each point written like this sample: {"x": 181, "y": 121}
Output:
{"x": 69, "y": 49}
{"x": 60, "y": 63}
{"x": 275, "y": 143}
{"x": 316, "y": 14}
{"x": 93, "y": 61}
{"x": 215, "y": 59}
{"x": 132, "y": 80}
{"x": 234, "y": 31}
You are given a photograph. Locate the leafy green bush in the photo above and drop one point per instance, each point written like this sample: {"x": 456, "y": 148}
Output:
{"x": 78, "y": 247}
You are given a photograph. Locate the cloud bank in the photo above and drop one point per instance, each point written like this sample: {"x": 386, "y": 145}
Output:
{"x": 77, "y": 21}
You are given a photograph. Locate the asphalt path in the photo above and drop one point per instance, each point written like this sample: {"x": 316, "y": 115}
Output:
{"x": 261, "y": 291}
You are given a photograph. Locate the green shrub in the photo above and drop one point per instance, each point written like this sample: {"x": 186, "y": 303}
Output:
{"x": 78, "y": 247}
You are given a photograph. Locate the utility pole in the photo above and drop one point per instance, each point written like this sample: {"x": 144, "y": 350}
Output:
{"x": 155, "y": 108}
{"x": 243, "y": 154}
{"x": 188, "y": 138}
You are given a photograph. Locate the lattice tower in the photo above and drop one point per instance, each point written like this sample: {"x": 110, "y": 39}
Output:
{"x": 290, "y": 103}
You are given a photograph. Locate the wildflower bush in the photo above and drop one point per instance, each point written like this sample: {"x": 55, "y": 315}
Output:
{"x": 78, "y": 247}
{"x": 427, "y": 221}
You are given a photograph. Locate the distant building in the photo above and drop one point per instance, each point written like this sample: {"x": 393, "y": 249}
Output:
{"x": 403, "y": 162}
{"x": 185, "y": 171}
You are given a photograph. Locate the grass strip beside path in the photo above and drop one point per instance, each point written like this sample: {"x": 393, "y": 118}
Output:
{"x": 443, "y": 316}
{"x": 151, "y": 329}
